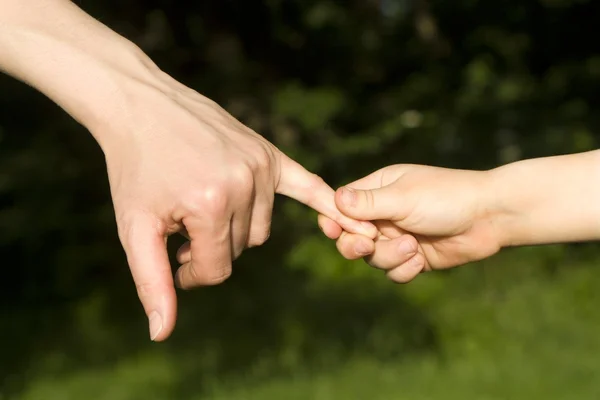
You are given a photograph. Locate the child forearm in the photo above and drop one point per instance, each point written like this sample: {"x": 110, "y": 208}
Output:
{"x": 547, "y": 200}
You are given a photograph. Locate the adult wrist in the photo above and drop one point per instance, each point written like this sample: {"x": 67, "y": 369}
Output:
{"x": 80, "y": 64}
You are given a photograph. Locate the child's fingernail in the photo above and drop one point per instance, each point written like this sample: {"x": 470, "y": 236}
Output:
{"x": 362, "y": 248}
{"x": 407, "y": 247}
{"x": 348, "y": 196}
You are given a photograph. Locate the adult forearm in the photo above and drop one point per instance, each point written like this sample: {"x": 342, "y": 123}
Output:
{"x": 547, "y": 200}
{"x": 72, "y": 58}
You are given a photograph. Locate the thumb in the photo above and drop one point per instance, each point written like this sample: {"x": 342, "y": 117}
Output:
{"x": 146, "y": 251}
{"x": 309, "y": 189}
{"x": 371, "y": 204}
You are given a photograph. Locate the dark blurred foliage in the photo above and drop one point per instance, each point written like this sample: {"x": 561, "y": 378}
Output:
{"x": 344, "y": 88}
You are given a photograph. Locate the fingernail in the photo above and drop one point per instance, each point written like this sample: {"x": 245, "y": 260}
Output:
{"x": 407, "y": 247}
{"x": 362, "y": 248}
{"x": 348, "y": 196}
{"x": 156, "y": 324}
{"x": 416, "y": 262}
{"x": 177, "y": 279}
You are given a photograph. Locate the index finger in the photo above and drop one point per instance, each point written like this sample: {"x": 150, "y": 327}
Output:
{"x": 330, "y": 227}
{"x": 149, "y": 263}
{"x": 309, "y": 189}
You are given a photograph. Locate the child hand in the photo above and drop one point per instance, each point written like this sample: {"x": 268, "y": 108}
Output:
{"x": 428, "y": 218}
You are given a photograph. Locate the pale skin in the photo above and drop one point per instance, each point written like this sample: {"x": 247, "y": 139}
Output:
{"x": 433, "y": 218}
{"x": 177, "y": 161}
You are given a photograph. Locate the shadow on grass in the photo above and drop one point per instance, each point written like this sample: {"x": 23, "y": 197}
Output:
{"x": 266, "y": 321}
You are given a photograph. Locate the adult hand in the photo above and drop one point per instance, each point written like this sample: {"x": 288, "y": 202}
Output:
{"x": 177, "y": 162}
{"x": 183, "y": 164}
{"x": 428, "y": 218}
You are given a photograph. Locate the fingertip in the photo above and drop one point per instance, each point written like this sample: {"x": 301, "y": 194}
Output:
{"x": 191, "y": 275}
{"x": 163, "y": 334}
{"x": 151, "y": 271}
{"x": 161, "y": 309}
{"x": 369, "y": 229}
{"x": 180, "y": 281}
{"x": 329, "y": 227}
{"x": 184, "y": 253}
{"x": 379, "y": 203}
{"x": 345, "y": 220}
{"x": 366, "y": 247}
{"x": 345, "y": 199}
{"x": 353, "y": 247}
{"x": 407, "y": 271}
{"x": 408, "y": 246}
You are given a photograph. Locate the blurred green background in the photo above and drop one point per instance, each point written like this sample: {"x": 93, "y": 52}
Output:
{"x": 344, "y": 88}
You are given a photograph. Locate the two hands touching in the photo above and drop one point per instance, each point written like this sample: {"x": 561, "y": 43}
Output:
{"x": 178, "y": 162}
{"x": 431, "y": 218}
{"x": 428, "y": 218}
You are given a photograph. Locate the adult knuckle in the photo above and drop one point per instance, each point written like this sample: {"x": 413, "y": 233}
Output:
{"x": 242, "y": 178}
{"x": 128, "y": 225}
{"x": 124, "y": 232}
{"x": 262, "y": 158}
{"x": 265, "y": 235}
{"x": 187, "y": 276}
{"x": 193, "y": 275}
{"x": 211, "y": 199}
{"x": 260, "y": 237}
{"x": 220, "y": 276}
{"x": 124, "y": 225}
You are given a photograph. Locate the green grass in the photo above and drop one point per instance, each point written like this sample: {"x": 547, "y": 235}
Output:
{"x": 509, "y": 331}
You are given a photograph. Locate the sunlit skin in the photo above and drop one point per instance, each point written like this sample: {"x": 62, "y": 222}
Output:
{"x": 177, "y": 161}
{"x": 435, "y": 218}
